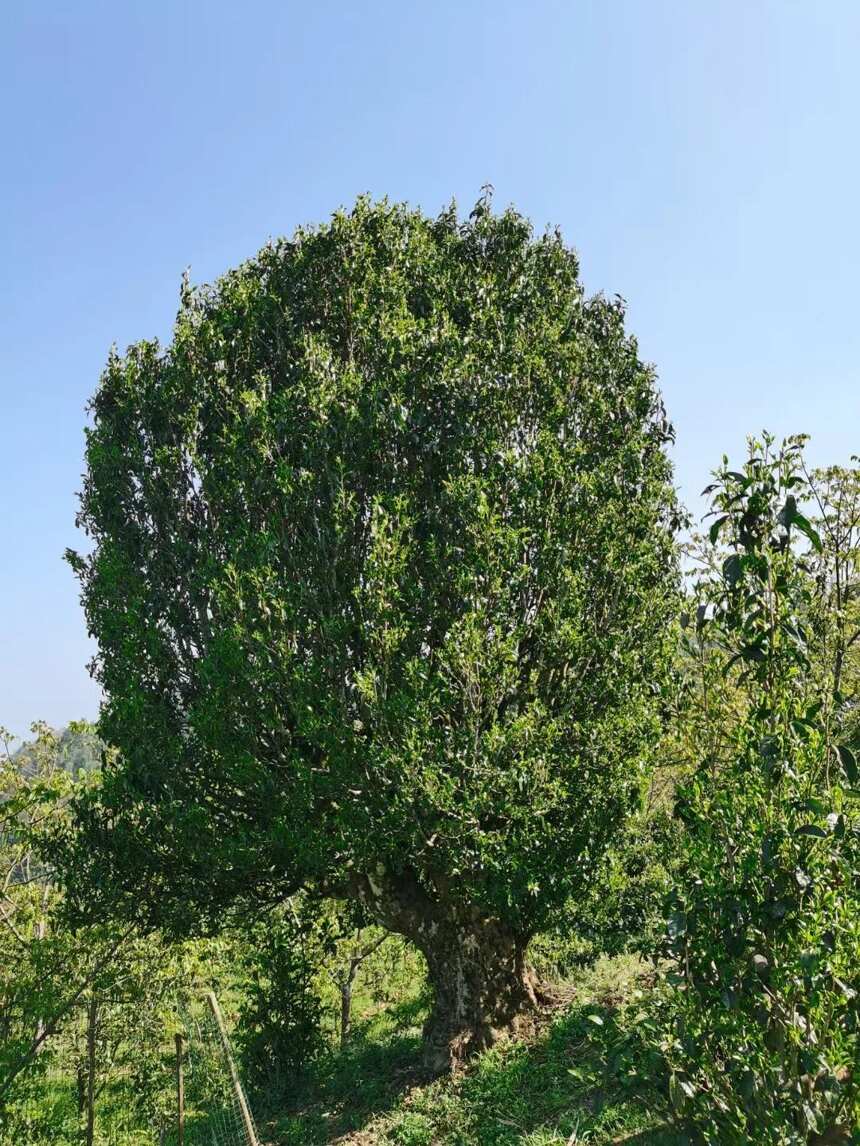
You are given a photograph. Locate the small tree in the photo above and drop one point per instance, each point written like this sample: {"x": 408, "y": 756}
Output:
{"x": 91, "y": 999}
{"x": 835, "y": 568}
{"x": 38, "y": 960}
{"x": 381, "y": 577}
{"x": 280, "y": 1014}
{"x": 763, "y": 1026}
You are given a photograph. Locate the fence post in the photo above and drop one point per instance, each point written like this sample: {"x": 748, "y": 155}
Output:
{"x": 180, "y": 1094}
{"x": 92, "y": 1020}
{"x": 250, "y": 1129}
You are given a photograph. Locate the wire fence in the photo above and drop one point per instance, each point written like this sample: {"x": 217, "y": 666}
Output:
{"x": 180, "y": 1089}
{"x": 217, "y": 1110}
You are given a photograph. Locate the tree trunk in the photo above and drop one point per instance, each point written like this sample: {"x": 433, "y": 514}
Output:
{"x": 346, "y": 1004}
{"x": 476, "y": 964}
{"x": 41, "y": 931}
{"x": 481, "y": 987}
{"x": 180, "y": 1090}
{"x": 82, "y": 1089}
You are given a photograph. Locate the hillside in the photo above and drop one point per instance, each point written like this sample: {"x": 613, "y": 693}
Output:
{"x": 78, "y": 749}
{"x": 577, "y": 1075}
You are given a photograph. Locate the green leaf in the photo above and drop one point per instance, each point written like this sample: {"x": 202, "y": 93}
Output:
{"x": 849, "y": 763}
{"x": 733, "y": 569}
{"x": 748, "y": 1084}
{"x": 787, "y": 513}
{"x": 677, "y": 924}
{"x": 809, "y": 529}
{"x": 676, "y": 1095}
{"x": 761, "y": 965}
{"x": 754, "y": 652}
{"x": 714, "y": 531}
{"x": 790, "y": 516}
{"x": 836, "y": 824}
{"x": 810, "y": 1117}
{"x": 812, "y": 830}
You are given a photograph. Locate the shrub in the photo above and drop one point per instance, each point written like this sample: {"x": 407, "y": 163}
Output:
{"x": 761, "y": 1024}
{"x": 279, "y": 1021}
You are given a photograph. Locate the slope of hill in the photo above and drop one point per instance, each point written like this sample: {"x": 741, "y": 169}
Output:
{"x": 581, "y": 1074}
{"x": 78, "y": 749}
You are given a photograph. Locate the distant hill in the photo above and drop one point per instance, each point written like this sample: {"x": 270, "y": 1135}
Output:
{"x": 79, "y": 750}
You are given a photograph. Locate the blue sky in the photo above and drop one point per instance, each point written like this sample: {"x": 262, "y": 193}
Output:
{"x": 702, "y": 158}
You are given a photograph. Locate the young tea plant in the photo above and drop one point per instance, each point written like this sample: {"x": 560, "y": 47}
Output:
{"x": 761, "y": 1015}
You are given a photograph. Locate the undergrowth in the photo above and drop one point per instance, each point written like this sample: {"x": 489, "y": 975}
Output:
{"x": 582, "y": 1076}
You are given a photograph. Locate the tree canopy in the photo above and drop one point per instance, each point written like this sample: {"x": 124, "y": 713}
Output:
{"x": 382, "y": 579}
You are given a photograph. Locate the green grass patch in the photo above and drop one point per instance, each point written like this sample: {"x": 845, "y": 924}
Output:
{"x": 581, "y": 1078}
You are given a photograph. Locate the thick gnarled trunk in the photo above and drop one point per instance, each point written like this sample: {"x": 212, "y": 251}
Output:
{"x": 481, "y": 987}
{"x": 477, "y": 966}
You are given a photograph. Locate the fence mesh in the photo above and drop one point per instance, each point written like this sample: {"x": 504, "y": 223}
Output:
{"x": 214, "y": 1103}
{"x": 134, "y": 1099}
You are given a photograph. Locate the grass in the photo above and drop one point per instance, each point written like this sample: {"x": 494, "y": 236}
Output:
{"x": 52, "y": 1115}
{"x": 573, "y": 1081}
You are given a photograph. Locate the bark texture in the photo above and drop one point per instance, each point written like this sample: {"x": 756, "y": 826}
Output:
{"x": 481, "y": 986}
{"x": 477, "y": 966}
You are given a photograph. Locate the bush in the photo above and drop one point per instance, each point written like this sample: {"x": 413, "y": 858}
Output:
{"x": 621, "y": 912}
{"x": 761, "y": 1022}
{"x": 279, "y": 1022}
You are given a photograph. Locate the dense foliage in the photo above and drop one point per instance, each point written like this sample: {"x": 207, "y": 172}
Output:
{"x": 764, "y": 1031}
{"x": 280, "y": 1018}
{"x": 383, "y": 582}
{"x": 87, "y": 1005}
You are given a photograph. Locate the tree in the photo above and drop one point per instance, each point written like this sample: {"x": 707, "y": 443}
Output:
{"x": 83, "y": 1004}
{"x": 382, "y": 578}
{"x": 836, "y": 599}
{"x": 280, "y": 1015}
{"x": 36, "y": 963}
{"x": 762, "y": 1027}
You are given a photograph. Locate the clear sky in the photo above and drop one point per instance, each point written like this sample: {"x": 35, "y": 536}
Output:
{"x": 702, "y": 157}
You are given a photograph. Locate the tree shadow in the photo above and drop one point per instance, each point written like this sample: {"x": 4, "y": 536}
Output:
{"x": 580, "y": 1078}
{"x": 344, "y": 1090}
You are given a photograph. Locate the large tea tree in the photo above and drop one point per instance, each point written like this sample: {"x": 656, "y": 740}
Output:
{"x": 381, "y": 577}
